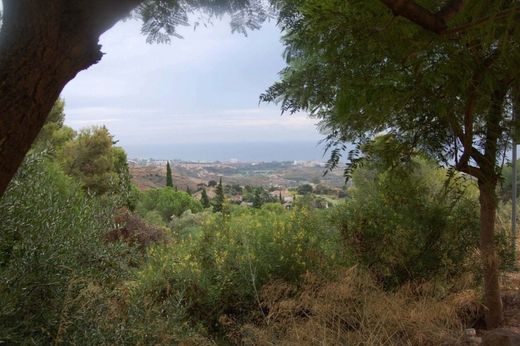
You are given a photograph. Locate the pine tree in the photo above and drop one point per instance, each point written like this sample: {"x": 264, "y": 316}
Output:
{"x": 218, "y": 203}
{"x": 169, "y": 179}
{"x": 188, "y": 190}
{"x": 204, "y": 200}
{"x": 280, "y": 198}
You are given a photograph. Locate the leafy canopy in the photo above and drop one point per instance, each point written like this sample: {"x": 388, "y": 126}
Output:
{"x": 361, "y": 70}
{"x": 92, "y": 158}
{"x": 161, "y": 17}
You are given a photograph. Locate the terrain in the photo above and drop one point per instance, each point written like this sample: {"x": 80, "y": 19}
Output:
{"x": 148, "y": 174}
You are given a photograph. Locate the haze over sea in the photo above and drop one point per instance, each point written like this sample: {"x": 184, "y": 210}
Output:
{"x": 253, "y": 151}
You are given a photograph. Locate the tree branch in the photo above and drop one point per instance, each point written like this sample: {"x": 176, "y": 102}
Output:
{"x": 420, "y": 15}
{"x": 473, "y": 171}
{"x": 450, "y": 10}
{"x": 496, "y": 16}
{"x": 437, "y": 22}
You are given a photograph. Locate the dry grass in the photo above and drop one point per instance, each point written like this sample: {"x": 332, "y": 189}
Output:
{"x": 353, "y": 310}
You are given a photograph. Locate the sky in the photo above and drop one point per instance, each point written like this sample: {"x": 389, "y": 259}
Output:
{"x": 201, "y": 91}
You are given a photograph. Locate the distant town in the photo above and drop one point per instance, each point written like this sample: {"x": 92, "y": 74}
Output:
{"x": 157, "y": 162}
{"x": 274, "y": 176}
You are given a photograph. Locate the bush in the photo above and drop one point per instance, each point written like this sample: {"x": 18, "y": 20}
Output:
{"x": 407, "y": 223}
{"x": 135, "y": 231}
{"x": 219, "y": 266}
{"x": 167, "y": 202}
{"x": 57, "y": 273}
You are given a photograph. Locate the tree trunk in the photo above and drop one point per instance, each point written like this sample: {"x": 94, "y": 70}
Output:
{"x": 492, "y": 299}
{"x": 43, "y": 45}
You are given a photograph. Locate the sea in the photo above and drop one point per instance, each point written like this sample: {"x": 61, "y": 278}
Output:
{"x": 256, "y": 151}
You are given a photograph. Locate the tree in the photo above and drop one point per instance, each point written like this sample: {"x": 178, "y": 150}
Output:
{"x": 169, "y": 179}
{"x": 45, "y": 44}
{"x": 257, "y": 199}
{"x": 441, "y": 78}
{"x": 54, "y": 133}
{"x": 188, "y": 190}
{"x": 204, "y": 200}
{"x": 167, "y": 202}
{"x": 92, "y": 159}
{"x": 218, "y": 202}
{"x": 305, "y": 189}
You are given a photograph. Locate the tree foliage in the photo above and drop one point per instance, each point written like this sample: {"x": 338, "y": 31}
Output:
{"x": 204, "y": 199}
{"x": 166, "y": 202}
{"x": 92, "y": 158}
{"x": 361, "y": 70}
{"x": 169, "y": 178}
{"x": 51, "y": 254}
{"x": 54, "y": 134}
{"x": 440, "y": 77}
{"x": 218, "y": 201}
{"x": 162, "y": 17}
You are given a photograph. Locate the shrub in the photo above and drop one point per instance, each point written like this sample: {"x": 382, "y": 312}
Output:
{"x": 408, "y": 223}
{"x": 135, "y": 231}
{"x": 56, "y": 273}
{"x": 218, "y": 267}
{"x": 167, "y": 202}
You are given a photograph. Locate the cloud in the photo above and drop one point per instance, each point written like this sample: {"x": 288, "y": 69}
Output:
{"x": 152, "y": 126}
{"x": 203, "y": 88}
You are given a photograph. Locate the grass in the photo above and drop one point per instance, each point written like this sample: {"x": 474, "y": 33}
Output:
{"x": 354, "y": 310}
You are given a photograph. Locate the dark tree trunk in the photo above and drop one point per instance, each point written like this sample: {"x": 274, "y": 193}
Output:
{"x": 487, "y": 183}
{"x": 43, "y": 45}
{"x": 492, "y": 299}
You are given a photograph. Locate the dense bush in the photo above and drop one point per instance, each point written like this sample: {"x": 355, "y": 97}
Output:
{"x": 220, "y": 263}
{"x": 57, "y": 274}
{"x": 166, "y": 202}
{"x": 408, "y": 222}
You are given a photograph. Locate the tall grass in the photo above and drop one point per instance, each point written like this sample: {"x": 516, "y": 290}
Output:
{"x": 355, "y": 310}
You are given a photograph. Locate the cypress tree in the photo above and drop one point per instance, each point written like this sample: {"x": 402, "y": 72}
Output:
{"x": 218, "y": 203}
{"x": 204, "y": 200}
{"x": 169, "y": 179}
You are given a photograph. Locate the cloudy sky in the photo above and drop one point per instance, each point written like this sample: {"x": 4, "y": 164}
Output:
{"x": 197, "y": 90}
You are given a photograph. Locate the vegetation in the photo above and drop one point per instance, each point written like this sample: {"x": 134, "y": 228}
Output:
{"x": 447, "y": 88}
{"x": 425, "y": 92}
{"x": 218, "y": 202}
{"x": 175, "y": 272}
{"x": 166, "y": 203}
{"x": 169, "y": 179}
{"x": 406, "y": 222}
{"x": 204, "y": 199}
{"x": 53, "y": 257}
{"x": 91, "y": 158}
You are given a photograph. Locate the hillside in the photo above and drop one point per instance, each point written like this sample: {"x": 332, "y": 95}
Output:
{"x": 149, "y": 177}
{"x": 151, "y": 174}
